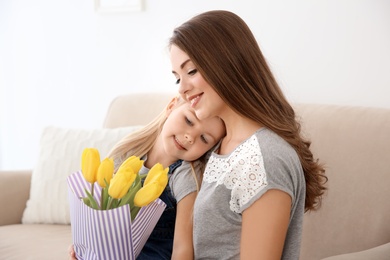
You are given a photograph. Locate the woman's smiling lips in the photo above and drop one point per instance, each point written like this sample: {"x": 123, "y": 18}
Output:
{"x": 194, "y": 99}
{"x": 178, "y": 144}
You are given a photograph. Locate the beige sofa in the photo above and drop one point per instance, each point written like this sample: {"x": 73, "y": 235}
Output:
{"x": 353, "y": 223}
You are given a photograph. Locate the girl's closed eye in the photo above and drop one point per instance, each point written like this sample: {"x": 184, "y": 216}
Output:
{"x": 204, "y": 139}
{"x": 189, "y": 122}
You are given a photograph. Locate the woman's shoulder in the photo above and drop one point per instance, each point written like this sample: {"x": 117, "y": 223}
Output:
{"x": 267, "y": 147}
{"x": 270, "y": 142}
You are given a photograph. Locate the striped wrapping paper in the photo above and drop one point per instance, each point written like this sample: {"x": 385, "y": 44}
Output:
{"x": 108, "y": 234}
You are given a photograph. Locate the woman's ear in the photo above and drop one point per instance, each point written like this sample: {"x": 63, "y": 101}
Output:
{"x": 171, "y": 105}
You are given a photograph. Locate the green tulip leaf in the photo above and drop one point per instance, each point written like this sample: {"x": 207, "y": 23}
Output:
{"x": 114, "y": 203}
{"x": 86, "y": 201}
{"x": 134, "y": 211}
{"x": 104, "y": 197}
{"x": 143, "y": 176}
{"x": 93, "y": 203}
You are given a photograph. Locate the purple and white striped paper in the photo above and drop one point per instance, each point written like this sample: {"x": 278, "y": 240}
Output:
{"x": 108, "y": 234}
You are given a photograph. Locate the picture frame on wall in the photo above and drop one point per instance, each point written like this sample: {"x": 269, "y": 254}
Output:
{"x": 115, "y": 6}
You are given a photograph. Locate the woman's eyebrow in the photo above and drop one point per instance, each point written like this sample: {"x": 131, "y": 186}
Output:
{"x": 182, "y": 65}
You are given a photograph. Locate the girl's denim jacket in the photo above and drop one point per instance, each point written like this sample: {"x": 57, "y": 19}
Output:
{"x": 160, "y": 243}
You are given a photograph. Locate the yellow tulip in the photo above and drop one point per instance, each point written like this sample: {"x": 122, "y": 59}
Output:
{"x": 133, "y": 162}
{"x": 154, "y": 185}
{"x": 90, "y": 162}
{"x": 105, "y": 172}
{"x": 121, "y": 182}
{"x": 155, "y": 172}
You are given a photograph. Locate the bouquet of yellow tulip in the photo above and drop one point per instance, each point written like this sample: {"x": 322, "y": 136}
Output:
{"x": 112, "y": 215}
{"x": 125, "y": 186}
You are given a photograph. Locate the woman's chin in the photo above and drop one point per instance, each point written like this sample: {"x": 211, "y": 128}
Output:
{"x": 200, "y": 115}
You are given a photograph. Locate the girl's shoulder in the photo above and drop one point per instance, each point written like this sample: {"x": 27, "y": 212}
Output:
{"x": 186, "y": 168}
{"x": 184, "y": 179}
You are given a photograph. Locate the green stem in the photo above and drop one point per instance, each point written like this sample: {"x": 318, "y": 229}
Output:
{"x": 92, "y": 188}
{"x": 109, "y": 203}
{"x": 101, "y": 199}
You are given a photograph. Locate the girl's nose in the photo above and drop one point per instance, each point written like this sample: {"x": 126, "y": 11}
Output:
{"x": 189, "y": 138}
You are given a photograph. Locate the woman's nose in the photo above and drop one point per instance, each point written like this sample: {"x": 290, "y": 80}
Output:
{"x": 189, "y": 138}
{"x": 183, "y": 88}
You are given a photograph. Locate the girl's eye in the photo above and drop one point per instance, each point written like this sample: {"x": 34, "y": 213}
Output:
{"x": 204, "y": 140}
{"x": 188, "y": 121}
{"x": 177, "y": 81}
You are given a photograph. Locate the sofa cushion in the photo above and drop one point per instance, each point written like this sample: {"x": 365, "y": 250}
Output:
{"x": 36, "y": 241}
{"x": 60, "y": 155}
{"x": 377, "y": 253}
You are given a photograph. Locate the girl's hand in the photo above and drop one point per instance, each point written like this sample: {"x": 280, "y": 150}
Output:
{"x": 72, "y": 255}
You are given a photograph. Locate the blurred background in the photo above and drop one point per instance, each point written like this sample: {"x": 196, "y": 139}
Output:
{"x": 63, "y": 61}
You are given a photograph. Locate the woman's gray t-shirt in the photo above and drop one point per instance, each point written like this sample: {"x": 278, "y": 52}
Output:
{"x": 233, "y": 182}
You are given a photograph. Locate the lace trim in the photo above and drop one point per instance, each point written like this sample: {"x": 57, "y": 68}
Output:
{"x": 242, "y": 172}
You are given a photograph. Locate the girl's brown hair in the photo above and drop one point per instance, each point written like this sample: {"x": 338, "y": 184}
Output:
{"x": 226, "y": 53}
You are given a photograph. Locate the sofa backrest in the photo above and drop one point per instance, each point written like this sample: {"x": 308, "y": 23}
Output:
{"x": 354, "y": 145}
{"x": 136, "y": 108}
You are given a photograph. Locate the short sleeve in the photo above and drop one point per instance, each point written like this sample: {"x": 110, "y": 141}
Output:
{"x": 182, "y": 181}
{"x": 246, "y": 176}
{"x": 274, "y": 165}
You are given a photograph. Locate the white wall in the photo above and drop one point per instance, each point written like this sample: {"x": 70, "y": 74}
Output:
{"x": 61, "y": 63}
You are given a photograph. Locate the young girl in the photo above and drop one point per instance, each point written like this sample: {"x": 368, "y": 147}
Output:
{"x": 176, "y": 138}
{"x": 262, "y": 177}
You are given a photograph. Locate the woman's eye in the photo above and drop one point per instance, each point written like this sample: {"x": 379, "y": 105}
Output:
{"x": 188, "y": 121}
{"x": 192, "y": 72}
{"x": 204, "y": 140}
{"x": 177, "y": 81}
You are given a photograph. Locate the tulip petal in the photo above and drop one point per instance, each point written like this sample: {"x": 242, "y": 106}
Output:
{"x": 129, "y": 197}
{"x": 90, "y": 162}
{"x": 105, "y": 172}
{"x": 121, "y": 182}
{"x": 156, "y": 170}
{"x": 133, "y": 162}
{"x": 148, "y": 194}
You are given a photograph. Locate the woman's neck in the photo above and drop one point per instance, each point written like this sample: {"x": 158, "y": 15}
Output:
{"x": 238, "y": 129}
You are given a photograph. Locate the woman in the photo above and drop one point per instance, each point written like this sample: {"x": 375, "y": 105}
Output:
{"x": 262, "y": 176}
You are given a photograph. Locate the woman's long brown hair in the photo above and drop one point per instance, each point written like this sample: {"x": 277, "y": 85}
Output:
{"x": 226, "y": 53}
